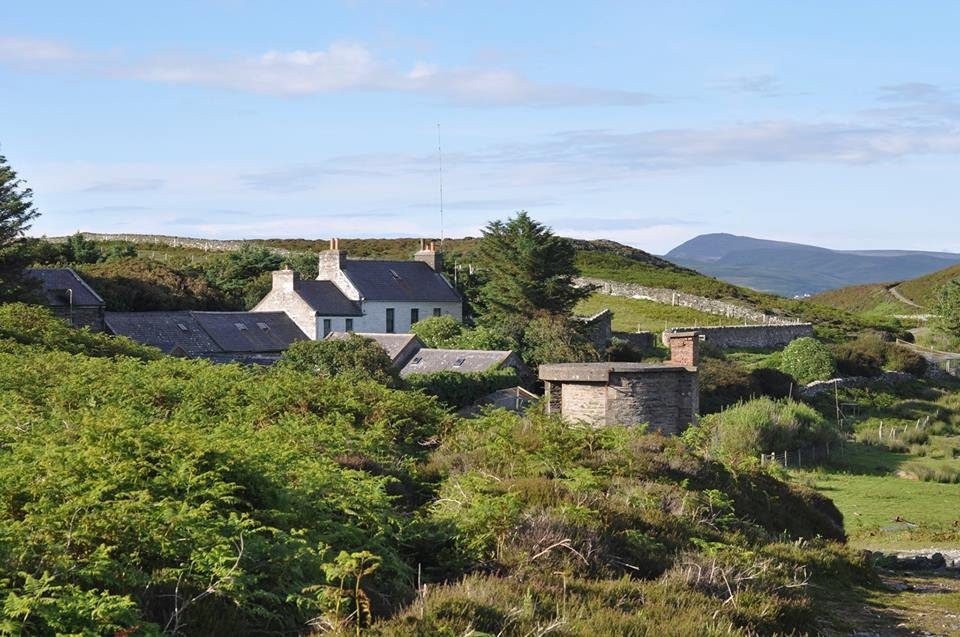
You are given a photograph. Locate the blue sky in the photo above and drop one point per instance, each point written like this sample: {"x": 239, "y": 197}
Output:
{"x": 648, "y": 123}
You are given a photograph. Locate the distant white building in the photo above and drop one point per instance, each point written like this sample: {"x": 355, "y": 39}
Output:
{"x": 360, "y": 295}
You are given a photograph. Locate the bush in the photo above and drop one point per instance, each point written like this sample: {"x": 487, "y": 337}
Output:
{"x": 461, "y": 389}
{"x": 863, "y": 357}
{"x": 623, "y": 351}
{"x": 355, "y": 357}
{"x": 552, "y": 338}
{"x": 437, "y": 331}
{"x": 900, "y": 359}
{"x": 764, "y": 425}
{"x": 807, "y": 360}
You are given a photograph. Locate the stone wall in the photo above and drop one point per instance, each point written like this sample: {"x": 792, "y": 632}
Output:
{"x": 585, "y": 402}
{"x": 682, "y": 299}
{"x": 212, "y": 245}
{"x": 758, "y": 336}
{"x": 665, "y": 400}
{"x": 597, "y": 328}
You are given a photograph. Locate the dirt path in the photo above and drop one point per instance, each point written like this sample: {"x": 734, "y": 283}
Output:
{"x": 896, "y": 294}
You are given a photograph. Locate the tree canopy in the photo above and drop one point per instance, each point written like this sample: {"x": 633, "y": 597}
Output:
{"x": 528, "y": 271}
{"x": 948, "y": 307}
{"x": 16, "y": 213}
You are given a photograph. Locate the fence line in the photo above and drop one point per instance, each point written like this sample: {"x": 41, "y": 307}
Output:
{"x": 805, "y": 456}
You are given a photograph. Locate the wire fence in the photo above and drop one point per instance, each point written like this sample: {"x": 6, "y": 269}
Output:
{"x": 806, "y": 456}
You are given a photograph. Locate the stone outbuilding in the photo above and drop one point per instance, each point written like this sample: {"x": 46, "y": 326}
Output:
{"x": 665, "y": 396}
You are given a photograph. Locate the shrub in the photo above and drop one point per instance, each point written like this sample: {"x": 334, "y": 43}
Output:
{"x": 623, "y": 351}
{"x": 724, "y": 383}
{"x": 437, "y": 331}
{"x": 552, "y": 338}
{"x": 461, "y": 389}
{"x": 355, "y": 356}
{"x": 764, "y": 425}
{"x": 863, "y": 357}
{"x": 900, "y": 359}
{"x": 807, "y": 360}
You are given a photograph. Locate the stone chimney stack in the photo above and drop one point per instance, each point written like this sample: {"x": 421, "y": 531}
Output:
{"x": 685, "y": 348}
{"x": 331, "y": 261}
{"x": 286, "y": 280}
{"x": 428, "y": 254}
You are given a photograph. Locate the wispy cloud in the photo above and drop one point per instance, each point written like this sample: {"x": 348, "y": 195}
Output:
{"x": 589, "y": 223}
{"x": 341, "y": 67}
{"x": 125, "y": 185}
{"x": 763, "y": 85}
{"x": 912, "y": 92}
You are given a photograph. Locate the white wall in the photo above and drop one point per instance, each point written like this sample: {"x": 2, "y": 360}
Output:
{"x": 374, "y": 317}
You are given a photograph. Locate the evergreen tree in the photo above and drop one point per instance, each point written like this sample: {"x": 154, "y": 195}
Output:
{"x": 528, "y": 271}
{"x": 948, "y": 307}
{"x": 16, "y": 212}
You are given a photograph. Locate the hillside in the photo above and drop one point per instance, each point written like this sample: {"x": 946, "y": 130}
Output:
{"x": 879, "y": 299}
{"x": 793, "y": 269}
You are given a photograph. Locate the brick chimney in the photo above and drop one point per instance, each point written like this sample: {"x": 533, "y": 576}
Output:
{"x": 428, "y": 254}
{"x": 331, "y": 261}
{"x": 286, "y": 280}
{"x": 685, "y": 348}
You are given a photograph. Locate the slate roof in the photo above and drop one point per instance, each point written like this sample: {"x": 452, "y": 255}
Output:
{"x": 211, "y": 335}
{"x": 164, "y": 330}
{"x": 398, "y": 281}
{"x": 326, "y": 298}
{"x": 56, "y": 281}
{"x": 250, "y": 331}
{"x": 396, "y": 345}
{"x": 429, "y": 360}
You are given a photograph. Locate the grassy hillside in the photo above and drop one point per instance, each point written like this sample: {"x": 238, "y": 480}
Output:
{"x": 871, "y": 298}
{"x": 632, "y": 315}
{"x": 875, "y": 299}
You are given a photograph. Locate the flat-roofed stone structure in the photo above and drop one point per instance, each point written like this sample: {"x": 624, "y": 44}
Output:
{"x": 665, "y": 396}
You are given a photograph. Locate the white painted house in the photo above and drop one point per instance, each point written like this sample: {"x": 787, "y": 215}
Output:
{"x": 364, "y": 295}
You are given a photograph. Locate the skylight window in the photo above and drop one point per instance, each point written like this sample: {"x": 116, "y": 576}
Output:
{"x": 263, "y": 326}
{"x": 416, "y": 360}
{"x": 183, "y": 328}
{"x": 394, "y": 273}
{"x": 459, "y": 362}
{"x": 240, "y": 326}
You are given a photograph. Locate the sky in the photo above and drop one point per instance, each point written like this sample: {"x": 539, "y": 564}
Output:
{"x": 832, "y": 123}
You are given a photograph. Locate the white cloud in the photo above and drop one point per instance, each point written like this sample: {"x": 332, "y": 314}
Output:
{"x": 342, "y": 67}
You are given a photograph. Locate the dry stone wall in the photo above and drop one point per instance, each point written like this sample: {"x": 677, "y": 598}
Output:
{"x": 212, "y": 245}
{"x": 682, "y": 299}
{"x": 758, "y": 336}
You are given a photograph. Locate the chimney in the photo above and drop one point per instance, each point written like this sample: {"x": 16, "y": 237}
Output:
{"x": 286, "y": 280}
{"x": 429, "y": 255}
{"x": 685, "y": 348}
{"x": 331, "y": 261}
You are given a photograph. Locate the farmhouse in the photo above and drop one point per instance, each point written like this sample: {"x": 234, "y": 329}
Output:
{"x": 70, "y": 297}
{"x": 664, "y": 396}
{"x": 222, "y": 337}
{"x": 360, "y": 295}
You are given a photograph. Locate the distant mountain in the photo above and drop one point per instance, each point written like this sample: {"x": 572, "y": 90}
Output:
{"x": 796, "y": 269}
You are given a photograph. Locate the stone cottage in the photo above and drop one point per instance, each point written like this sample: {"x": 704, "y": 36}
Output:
{"x": 364, "y": 295}
{"x": 664, "y": 396}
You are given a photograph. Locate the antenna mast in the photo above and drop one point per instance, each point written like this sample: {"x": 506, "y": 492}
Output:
{"x": 440, "y": 162}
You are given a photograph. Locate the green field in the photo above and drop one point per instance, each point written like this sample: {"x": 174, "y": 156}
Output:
{"x": 631, "y": 315}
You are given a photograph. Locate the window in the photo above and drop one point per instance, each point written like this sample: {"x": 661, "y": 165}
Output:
{"x": 348, "y": 325}
{"x": 459, "y": 362}
{"x": 414, "y": 315}
{"x": 240, "y": 326}
{"x": 390, "y": 327}
{"x": 326, "y": 327}
{"x": 436, "y": 311}
{"x": 263, "y": 326}
{"x": 416, "y": 360}
{"x": 183, "y": 328}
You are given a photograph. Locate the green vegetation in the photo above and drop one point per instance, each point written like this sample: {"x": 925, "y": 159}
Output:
{"x": 143, "y": 494}
{"x": 807, "y": 360}
{"x": 529, "y": 272}
{"x": 353, "y": 357}
{"x": 448, "y": 333}
{"x": 871, "y": 298}
{"x": 633, "y": 315}
{"x": 948, "y": 308}
{"x": 869, "y": 356}
{"x": 16, "y": 213}
{"x": 741, "y": 433}
{"x": 724, "y": 383}
{"x": 923, "y": 290}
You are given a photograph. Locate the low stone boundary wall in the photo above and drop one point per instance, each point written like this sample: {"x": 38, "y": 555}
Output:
{"x": 759, "y": 336}
{"x": 212, "y": 245}
{"x": 682, "y": 299}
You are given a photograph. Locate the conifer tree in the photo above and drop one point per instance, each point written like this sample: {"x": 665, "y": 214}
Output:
{"x": 948, "y": 308}
{"x": 16, "y": 212}
{"x": 528, "y": 270}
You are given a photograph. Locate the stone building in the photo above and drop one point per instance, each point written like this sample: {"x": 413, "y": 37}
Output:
{"x": 665, "y": 396}
{"x": 364, "y": 295}
{"x": 70, "y": 297}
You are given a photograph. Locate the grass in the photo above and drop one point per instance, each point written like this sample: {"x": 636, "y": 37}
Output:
{"x": 631, "y": 315}
{"x": 872, "y": 299}
{"x": 923, "y": 290}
